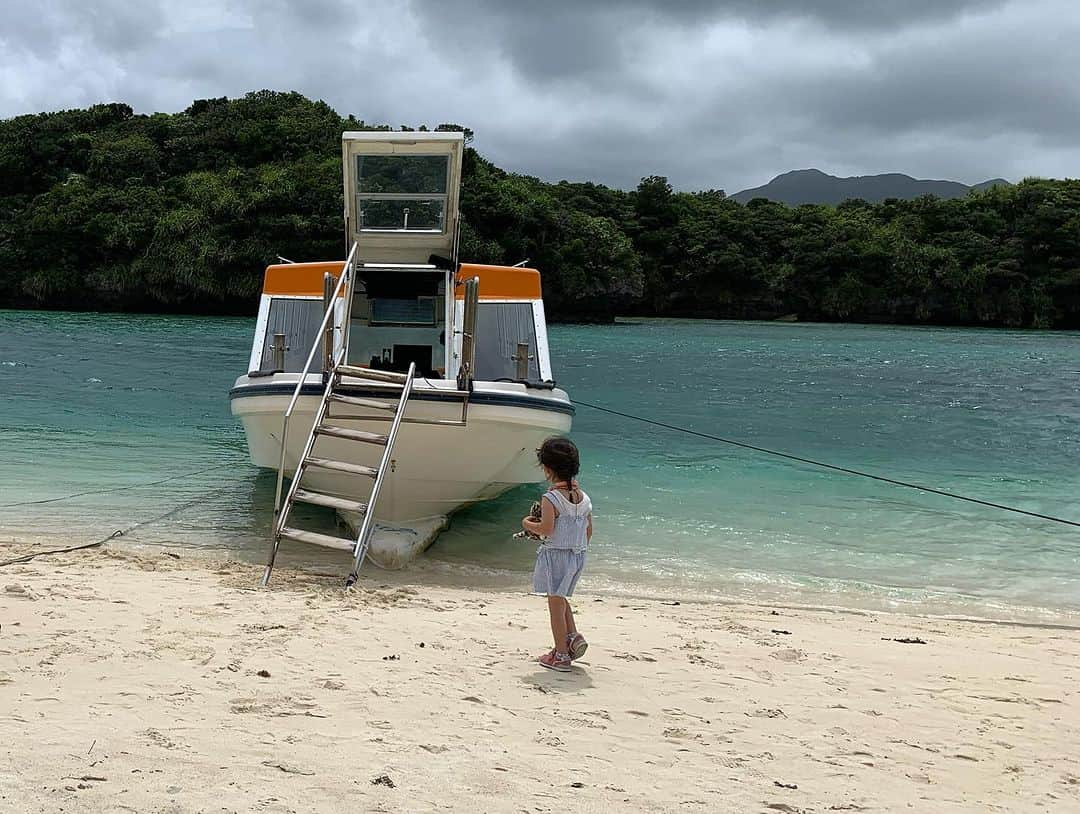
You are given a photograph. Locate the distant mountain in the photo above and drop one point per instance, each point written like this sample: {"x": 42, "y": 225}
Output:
{"x": 993, "y": 182}
{"x": 816, "y": 187}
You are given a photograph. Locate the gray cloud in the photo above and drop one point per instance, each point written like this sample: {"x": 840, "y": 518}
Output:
{"x": 712, "y": 94}
{"x": 562, "y": 40}
{"x": 45, "y": 29}
{"x": 845, "y": 14}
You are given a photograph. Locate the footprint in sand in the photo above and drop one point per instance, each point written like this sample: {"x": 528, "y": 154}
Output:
{"x": 158, "y": 739}
{"x": 789, "y": 655}
{"x": 241, "y": 706}
{"x": 585, "y": 723}
{"x": 548, "y": 739}
{"x": 767, "y": 713}
{"x": 677, "y": 733}
{"x": 701, "y": 661}
{"x": 20, "y": 592}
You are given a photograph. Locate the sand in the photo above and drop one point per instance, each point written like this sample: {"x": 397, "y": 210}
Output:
{"x": 147, "y": 683}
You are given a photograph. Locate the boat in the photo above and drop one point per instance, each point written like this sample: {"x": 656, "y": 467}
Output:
{"x": 400, "y": 384}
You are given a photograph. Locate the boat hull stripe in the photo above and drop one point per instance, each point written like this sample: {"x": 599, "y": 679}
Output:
{"x": 477, "y": 398}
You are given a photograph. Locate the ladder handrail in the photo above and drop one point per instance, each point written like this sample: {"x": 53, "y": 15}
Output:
{"x": 345, "y": 280}
{"x": 360, "y": 549}
{"x": 281, "y": 517}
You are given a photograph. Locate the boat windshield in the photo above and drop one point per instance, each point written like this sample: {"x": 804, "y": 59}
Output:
{"x": 402, "y": 192}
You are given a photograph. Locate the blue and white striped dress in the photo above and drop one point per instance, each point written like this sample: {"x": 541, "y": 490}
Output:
{"x": 560, "y": 559}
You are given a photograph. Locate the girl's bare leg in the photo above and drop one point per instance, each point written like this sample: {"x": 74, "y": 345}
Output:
{"x": 558, "y": 609}
{"x": 571, "y": 628}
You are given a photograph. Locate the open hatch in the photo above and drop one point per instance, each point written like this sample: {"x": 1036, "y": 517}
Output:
{"x": 402, "y": 194}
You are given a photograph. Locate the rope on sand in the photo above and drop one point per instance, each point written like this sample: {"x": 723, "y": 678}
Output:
{"x": 121, "y": 532}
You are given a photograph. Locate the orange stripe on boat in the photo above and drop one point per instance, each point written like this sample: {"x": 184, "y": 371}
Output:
{"x": 299, "y": 279}
{"x": 501, "y": 282}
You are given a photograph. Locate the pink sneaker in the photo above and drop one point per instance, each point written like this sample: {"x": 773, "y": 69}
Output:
{"x": 559, "y": 662}
{"x": 577, "y": 645}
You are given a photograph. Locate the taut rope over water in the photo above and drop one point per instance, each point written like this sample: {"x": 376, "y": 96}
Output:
{"x": 116, "y": 488}
{"x": 833, "y": 467}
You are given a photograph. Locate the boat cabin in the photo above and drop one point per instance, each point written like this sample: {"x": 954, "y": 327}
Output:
{"x": 402, "y": 194}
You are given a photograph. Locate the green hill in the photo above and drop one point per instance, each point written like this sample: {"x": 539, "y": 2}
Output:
{"x": 103, "y": 208}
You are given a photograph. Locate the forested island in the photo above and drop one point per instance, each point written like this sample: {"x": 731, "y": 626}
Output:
{"x": 105, "y": 209}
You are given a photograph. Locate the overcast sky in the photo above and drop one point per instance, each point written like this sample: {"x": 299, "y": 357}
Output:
{"x": 721, "y": 94}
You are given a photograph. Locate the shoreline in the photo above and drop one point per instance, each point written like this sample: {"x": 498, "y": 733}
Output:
{"x": 440, "y": 573}
{"x": 780, "y": 317}
{"x": 137, "y": 681}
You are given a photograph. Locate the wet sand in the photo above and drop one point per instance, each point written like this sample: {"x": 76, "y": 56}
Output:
{"x": 136, "y": 682}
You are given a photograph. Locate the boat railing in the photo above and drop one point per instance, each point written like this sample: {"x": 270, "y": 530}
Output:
{"x": 467, "y": 369}
{"x": 346, "y": 283}
{"x": 363, "y": 539}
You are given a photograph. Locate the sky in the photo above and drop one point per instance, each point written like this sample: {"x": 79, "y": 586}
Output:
{"x": 713, "y": 95}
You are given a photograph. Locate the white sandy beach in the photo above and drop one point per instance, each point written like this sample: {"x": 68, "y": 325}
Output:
{"x": 148, "y": 683}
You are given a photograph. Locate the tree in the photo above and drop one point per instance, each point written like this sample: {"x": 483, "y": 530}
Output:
{"x": 106, "y": 208}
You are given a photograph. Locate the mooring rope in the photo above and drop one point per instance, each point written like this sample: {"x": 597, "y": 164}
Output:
{"x": 822, "y": 464}
{"x": 116, "y": 488}
{"x": 121, "y": 532}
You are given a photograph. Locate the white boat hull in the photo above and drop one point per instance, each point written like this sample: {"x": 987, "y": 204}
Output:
{"x": 435, "y": 470}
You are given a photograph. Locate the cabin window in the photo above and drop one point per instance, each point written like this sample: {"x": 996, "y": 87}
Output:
{"x": 404, "y": 193}
{"x": 419, "y": 311}
{"x": 500, "y": 327}
{"x": 398, "y": 318}
{"x": 299, "y": 320}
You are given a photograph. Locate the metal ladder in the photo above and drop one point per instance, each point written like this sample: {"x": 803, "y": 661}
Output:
{"x": 336, "y": 367}
{"x": 321, "y": 427}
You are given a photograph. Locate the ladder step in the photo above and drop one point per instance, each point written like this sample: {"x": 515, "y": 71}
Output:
{"x": 352, "y": 435}
{"x": 369, "y": 404}
{"x": 371, "y": 373}
{"x": 450, "y": 395}
{"x": 314, "y": 538}
{"x": 331, "y": 501}
{"x": 341, "y": 466}
{"x": 435, "y": 422}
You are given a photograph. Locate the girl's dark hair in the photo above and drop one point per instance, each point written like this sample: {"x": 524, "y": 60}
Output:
{"x": 561, "y": 457}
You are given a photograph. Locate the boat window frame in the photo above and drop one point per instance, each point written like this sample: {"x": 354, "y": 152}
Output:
{"x": 443, "y": 197}
{"x": 378, "y": 323}
{"x": 264, "y": 336}
{"x": 543, "y": 352}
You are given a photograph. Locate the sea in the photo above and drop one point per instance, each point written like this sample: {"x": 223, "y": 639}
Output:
{"x": 122, "y": 422}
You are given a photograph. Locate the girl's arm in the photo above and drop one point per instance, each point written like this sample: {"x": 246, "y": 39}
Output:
{"x": 546, "y": 524}
{"x": 588, "y": 531}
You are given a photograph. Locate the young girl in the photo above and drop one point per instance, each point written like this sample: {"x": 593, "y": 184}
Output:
{"x": 566, "y": 525}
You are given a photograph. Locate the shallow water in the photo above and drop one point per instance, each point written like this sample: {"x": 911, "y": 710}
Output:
{"x": 96, "y": 401}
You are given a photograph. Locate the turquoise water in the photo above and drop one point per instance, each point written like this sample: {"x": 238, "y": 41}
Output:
{"x": 92, "y": 402}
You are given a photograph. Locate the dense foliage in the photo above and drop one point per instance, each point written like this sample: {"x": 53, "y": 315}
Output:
{"x": 101, "y": 208}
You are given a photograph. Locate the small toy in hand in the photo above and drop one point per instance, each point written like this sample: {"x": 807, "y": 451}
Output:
{"x": 534, "y": 513}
